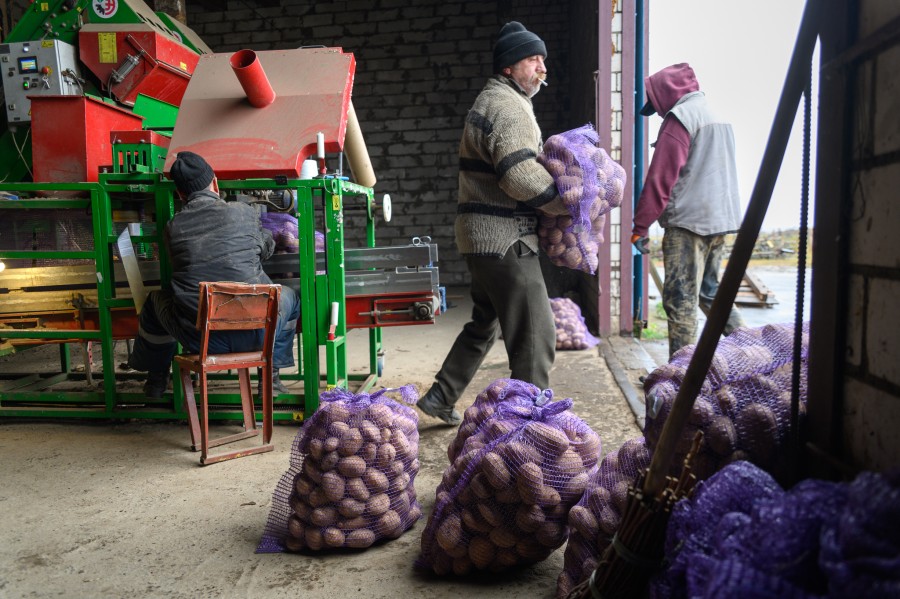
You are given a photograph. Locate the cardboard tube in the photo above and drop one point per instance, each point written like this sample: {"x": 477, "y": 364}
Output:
{"x": 253, "y": 78}
{"x": 357, "y": 154}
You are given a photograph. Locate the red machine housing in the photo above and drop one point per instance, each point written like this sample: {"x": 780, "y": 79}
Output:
{"x": 70, "y": 136}
{"x": 146, "y": 61}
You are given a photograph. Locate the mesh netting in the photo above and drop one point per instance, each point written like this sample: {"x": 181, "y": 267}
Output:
{"x": 504, "y": 498}
{"x": 590, "y": 184}
{"x": 744, "y": 405}
{"x": 741, "y": 535}
{"x": 571, "y": 330}
{"x": 597, "y": 515}
{"x": 284, "y": 229}
{"x": 350, "y": 482}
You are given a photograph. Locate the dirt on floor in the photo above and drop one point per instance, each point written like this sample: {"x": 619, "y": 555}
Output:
{"x": 123, "y": 509}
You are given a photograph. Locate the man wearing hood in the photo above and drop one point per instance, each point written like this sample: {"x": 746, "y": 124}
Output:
{"x": 501, "y": 184}
{"x": 692, "y": 190}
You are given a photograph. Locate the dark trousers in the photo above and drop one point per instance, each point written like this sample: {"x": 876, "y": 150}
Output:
{"x": 509, "y": 295}
{"x": 161, "y": 328}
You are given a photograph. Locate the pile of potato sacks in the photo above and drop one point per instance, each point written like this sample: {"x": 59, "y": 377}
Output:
{"x": 571, "y": 330}
{"x": 356, "y": 483}
{"x": 590, "y": 184}
{"x": 519, "y": 462}
{"x": 743, "y": 410}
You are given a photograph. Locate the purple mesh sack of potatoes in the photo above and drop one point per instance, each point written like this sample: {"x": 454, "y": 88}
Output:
{"x": 744, "y": 405}
{"x": 503, "y": 501}
{"x": 284, "y": 229}
{"x": 595, "y": 518}
{"x": 571, "y": 330}
{"x": 590, "y": 184}
{"x": 351, "y": 480}
{"x": 486, "y": 403}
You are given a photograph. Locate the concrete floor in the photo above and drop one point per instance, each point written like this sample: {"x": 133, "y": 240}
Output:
{"x": 96, "y": 510}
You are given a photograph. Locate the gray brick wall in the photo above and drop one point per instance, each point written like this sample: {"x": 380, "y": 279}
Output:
{"x": 420, "y": 65}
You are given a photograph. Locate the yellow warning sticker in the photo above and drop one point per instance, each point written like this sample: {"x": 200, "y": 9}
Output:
{"x": 47, "y": 43}
{"x": 108, "y": 53}
{"x": 45, "y": 6}
{"x": 335, "y": 202}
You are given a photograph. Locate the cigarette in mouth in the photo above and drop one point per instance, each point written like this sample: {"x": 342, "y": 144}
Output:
{"x": 542, "y": 77}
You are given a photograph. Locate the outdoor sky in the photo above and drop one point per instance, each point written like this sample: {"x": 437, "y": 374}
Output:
{"x": 740, "y": 52}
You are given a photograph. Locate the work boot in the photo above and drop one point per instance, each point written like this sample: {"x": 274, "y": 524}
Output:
{"x": 156, "y": 384}
{"x": 277, "y": 386}
{"x": 433, "y": 404}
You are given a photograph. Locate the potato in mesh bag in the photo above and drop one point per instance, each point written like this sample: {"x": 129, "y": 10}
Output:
{"x": 351, "y": 481}
{"x": 504, "y": 503}
{"x": 571, "y": 330}
{"x": 590, "y": 184}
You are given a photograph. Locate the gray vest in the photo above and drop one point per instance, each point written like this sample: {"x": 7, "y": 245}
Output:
{"x": 705, "y": 198}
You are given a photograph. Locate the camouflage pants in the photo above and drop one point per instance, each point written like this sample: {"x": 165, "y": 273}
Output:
{"x": 692, "y": 264}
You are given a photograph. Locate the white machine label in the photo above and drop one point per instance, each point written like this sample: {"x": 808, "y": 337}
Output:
{"x": 105, "y": 9}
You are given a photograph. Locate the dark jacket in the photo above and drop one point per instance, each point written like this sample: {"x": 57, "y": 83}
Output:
{"x": 214, "y": 240}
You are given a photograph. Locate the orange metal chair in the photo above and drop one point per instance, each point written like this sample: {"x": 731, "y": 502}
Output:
{"x": 228, "y": 306}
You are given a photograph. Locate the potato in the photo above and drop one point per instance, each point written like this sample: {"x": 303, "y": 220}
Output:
{"x": 481, "y": 552}
{"x": 331, "y": 444}
{"x": 551, "y": 534}
{"x": 296, "y": 527}
{"x": 568, "y": 463}
{"x": 574, "y": 487}
{"x": 530, "y": 482}
{"x": 352, "y": 523}
{"x": 380, "y": 414}
{"x": 400, "y": 503}
{"x": 388, "y": 523}
{"x": 399, "y": 484}
{"x": 323, "y": 516}
{"x": 294, "y": 543}
{"x": 375, "y": 480}
{"x": 757, "y": 430}
{"x": 385, "y": 455}
{"x": 357, "y": 489}
{"x": 508, "y": 495}
{"x": 529, "y": 518}
{"x": 303, "y": 485}
{"x": 314, "y": 539}
{"x": 495, "y": 471}
{"x": 480, "y": 486}
{"x": 370, "y": 431}
{"x": 360, "y": 538}
{"x": 329, "y": 461}
{"x": 491, "y": 514}
{"x": 721, "y": 436}
{"x": 333, "y": 485}
{"x": 619, "y": 495}
{"x": 583, "y": 521}
{"x": 378, "y": 504}
{"x": 608, "y": 520}
{"x": 474, "y": 522}
{"x": 350, "y": 442}
{"x": 351, "y": 508}
{"x": 312, "y": 472}
{"x": 503, "y": 537}
{"x": 546, "y": 438}
{"x": 449, "y": 533}
{"x": 333, "y": 537}
{"x": 316, "y": 448}
{"x": 351, "y": 466}
{"x": 396, "y": 468}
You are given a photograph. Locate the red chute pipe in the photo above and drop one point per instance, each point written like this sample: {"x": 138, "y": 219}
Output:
{"x": 253, "y": 78}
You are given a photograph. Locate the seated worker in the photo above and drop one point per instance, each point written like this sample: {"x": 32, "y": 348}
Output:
{"x": 208, "y": 240}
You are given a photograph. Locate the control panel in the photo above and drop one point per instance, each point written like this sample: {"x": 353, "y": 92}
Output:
{"x": 42, "y": 67}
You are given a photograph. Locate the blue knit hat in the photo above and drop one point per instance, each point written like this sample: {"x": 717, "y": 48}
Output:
{"x": 514, "y": 44}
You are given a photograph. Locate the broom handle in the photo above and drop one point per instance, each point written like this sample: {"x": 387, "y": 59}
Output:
{"x": 794, "y": 84}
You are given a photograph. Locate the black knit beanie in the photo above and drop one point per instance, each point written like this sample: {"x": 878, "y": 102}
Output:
{"x": 514, "y": 44}
{"x": 191, "y": 173}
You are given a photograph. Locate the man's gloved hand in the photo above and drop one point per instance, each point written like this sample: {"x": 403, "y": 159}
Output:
{"x": 641, "y": 243}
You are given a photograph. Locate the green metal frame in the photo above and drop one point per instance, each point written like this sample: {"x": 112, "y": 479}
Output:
{"x": 32, "y": 396}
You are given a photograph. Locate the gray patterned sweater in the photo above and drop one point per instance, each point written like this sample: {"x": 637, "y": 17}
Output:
{"x": 501, "y": 184}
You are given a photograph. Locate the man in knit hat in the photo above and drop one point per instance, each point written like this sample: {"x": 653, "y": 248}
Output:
{"x": 197, "y": 240}
{"x": 501, "y": 185}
